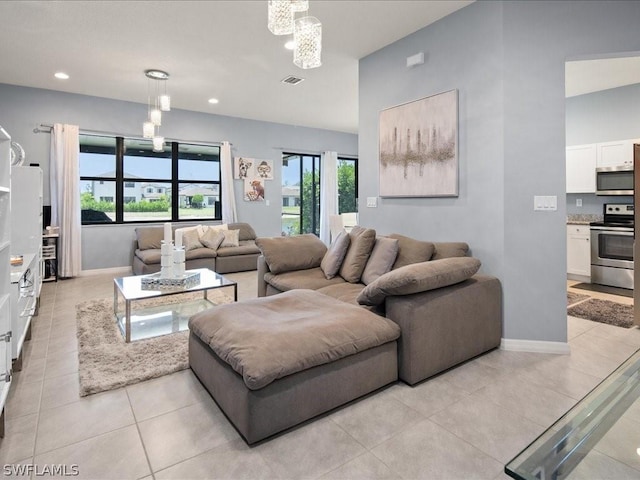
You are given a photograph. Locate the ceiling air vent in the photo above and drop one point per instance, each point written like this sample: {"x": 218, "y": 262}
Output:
{"x": 291, "y": 80}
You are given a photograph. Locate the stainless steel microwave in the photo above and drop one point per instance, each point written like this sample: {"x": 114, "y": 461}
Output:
{"x": 614, "y": 180}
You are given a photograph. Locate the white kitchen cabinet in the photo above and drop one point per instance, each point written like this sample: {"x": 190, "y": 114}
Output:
{"x": 615, "y": 154}
{"x": 26, "y": 217}
{"x": 581, "y": 168}
{"x": 23, "y": 304}
{"x": 579, "y": 250}
{"x": 5, "y": 271}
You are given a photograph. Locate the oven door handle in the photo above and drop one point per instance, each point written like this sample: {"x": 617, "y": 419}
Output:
{"x": 615, "y": 229}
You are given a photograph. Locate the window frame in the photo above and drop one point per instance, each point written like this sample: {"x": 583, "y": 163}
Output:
{"x": 315, "y": 193}
{"x": 173, "y": 183}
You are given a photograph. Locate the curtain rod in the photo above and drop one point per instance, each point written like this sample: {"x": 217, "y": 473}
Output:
{"x": 47, "y": 128}
{"x": 311, "y": 152}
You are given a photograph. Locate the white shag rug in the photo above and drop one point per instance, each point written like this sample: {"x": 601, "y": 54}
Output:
{"x": 106, "y": 362}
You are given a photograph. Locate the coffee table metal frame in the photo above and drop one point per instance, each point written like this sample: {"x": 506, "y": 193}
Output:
{"x": 555, "y": 453}
{"x": 130, "y": 288}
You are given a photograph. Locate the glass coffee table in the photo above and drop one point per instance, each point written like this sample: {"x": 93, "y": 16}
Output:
{"x": 598, "y": 438}
{"x": 138, "y": 319}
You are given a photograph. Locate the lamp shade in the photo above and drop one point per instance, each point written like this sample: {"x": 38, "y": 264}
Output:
{"x": 158, "y": 144}
{"x": 280, "y": 17}
{"x": 307, "y": 36}
{"x": 299, "y": 5}
{"x": 165, "y": 102}
{"x": 148, "y": 129}
{"x": 155, "y": 116}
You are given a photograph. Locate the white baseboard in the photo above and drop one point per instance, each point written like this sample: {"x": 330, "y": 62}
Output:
{"x": 116, "y": 271}
{"x": 535, "y": 346}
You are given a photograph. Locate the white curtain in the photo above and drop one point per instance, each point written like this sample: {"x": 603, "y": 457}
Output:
{"x": 64, "y": 180}
{"x": 229, "y": 214}
{"x": 328, "y": 193}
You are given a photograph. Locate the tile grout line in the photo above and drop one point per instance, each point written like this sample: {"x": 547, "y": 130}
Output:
{"x": 135, "y": 420}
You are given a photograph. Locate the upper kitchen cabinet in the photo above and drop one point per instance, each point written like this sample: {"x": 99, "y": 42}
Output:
{"x": 615, "y": 154}
{"x": 581, "y": 168}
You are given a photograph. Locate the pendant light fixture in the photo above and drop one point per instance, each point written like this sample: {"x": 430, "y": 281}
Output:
{"x": 306, "y": 30}
{"x": 156, "y": 104}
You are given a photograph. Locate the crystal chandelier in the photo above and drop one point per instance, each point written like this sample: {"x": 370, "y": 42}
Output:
{"x": 156, "y": 104}
{"x": 307, "y": 30}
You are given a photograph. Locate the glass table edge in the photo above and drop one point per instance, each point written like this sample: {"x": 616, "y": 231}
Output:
{"x": 225, "y": 282}
{"x": 609, "y": 382}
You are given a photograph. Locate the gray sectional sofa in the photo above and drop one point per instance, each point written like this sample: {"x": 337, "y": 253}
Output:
{"x": 146, "y": 256}
{"x": 447, "y": 312}
{"x": 330, "y": 326}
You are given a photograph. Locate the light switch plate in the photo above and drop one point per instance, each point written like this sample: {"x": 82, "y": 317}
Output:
{"x": 372, "y": 202}
{"x": 546, "y": 203}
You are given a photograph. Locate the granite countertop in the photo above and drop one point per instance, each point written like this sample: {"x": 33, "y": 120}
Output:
{"x": 583, "y": 218}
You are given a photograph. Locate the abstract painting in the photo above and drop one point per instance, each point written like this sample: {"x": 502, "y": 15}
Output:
{"x": 419, "y": 148}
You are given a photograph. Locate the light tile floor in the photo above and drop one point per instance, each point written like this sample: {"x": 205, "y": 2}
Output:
{"x": 463, "y": 424}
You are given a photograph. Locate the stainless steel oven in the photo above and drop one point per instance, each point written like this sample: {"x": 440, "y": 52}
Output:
{"x": 612, "y": 247}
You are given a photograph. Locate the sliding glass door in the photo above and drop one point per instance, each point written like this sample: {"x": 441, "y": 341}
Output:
{"x": 301, "y": 191}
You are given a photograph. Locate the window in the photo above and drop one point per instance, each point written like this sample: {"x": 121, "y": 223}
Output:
{"x": 301, "y": 191}
{"x": 124, "y": 180}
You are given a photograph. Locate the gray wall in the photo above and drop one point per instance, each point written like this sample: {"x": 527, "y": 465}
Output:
{"x": 108, "y": 246}
{"x": 507, "y": 61}
{"x": 603, "y": 116}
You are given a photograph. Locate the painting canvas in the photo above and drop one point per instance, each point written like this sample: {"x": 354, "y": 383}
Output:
{"x": 419, "y": 148}
{"x": 254, "y": 189}
{"x": 264, "y": 169}
{"x": 243, "y": 168}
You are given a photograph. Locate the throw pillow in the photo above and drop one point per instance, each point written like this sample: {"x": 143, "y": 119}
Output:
{"x": 149, "y": 237}
{"x": 332, "y": 260}
{"x": 361, "y": 244}
{"x": 202, "y": 229}
{"x": 191, "y": 239}
{"x": 419, "y": 277}
{"x": 212, "y": 238}
{"x": 286, "y": 254}
{"x": 411, "y": 251}
{"x": 230, "y": 238}
{"x": 381, "y": 260}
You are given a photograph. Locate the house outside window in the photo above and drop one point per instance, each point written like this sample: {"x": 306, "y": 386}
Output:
{"x": 123, "y": 180}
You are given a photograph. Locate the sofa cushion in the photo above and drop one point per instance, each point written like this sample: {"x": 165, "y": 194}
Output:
{"x": 312, "y": 278}
{"x": 190, "y": 238}
{"x": 149, "y": 237}
{"x": 245, "y": 247}
{"x": 419, "y": 277}
{"x": 411, "y": 251}
{"x": 299, "y": 252}
{"x": 149, "y": 256}
{"x": 332, "y": 260}
{"x": 381, "y": 260}
{"x": 345, "y": 292}
{"x": 231, "y": 238}
{"x": 246, "y": 231}
{"x": 201, "y": 252}
{"x": 212, "y": 238}
{"x": 450, "y": 249}
{"x": 361, "y": 244}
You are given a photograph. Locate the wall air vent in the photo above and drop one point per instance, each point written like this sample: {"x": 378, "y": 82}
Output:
{"x": 291, "y": 80}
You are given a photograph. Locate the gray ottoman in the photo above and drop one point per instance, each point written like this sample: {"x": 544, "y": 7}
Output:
{"x": 274, "y": 362}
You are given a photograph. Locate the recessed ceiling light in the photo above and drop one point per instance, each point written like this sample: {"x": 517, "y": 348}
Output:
{"x": 213, "y": 101}
{"x": 290, "y": 45}
{"x": 61, "y": 76}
